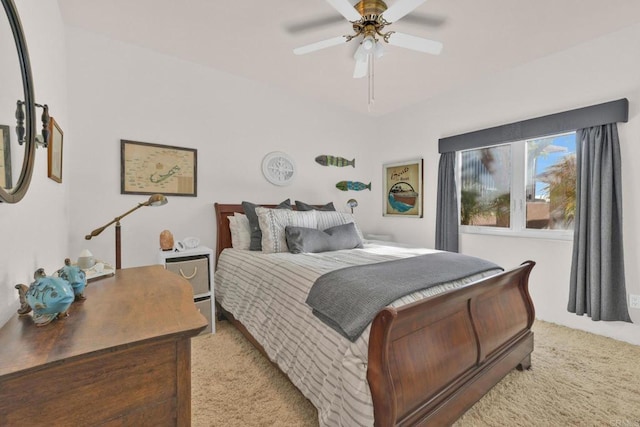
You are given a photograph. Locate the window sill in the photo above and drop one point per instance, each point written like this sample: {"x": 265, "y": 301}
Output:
{"x": 566, "y": 235}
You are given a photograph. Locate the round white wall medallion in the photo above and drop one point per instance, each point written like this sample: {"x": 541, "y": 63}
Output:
{"x": 278, "y": 168}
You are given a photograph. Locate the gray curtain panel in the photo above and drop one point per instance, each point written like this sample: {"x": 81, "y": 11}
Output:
{"x": 447, "y": 208}
{"x": 597, "y": 286}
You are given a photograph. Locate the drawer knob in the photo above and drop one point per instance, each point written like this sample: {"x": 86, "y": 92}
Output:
{"x": 195, "y": 271}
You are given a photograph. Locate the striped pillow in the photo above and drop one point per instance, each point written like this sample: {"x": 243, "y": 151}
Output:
{"x": 240, "y": 231}
{"x": 273, "y": 223}
{"x": 328, "y": 219}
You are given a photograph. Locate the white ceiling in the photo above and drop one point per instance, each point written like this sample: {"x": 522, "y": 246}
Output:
{"x": 255, "y": 39}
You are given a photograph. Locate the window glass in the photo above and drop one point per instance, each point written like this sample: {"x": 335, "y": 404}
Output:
{"x": 486, "y": 187}
{"x": 521, "y": 187}
{"x": 551, "y": 182}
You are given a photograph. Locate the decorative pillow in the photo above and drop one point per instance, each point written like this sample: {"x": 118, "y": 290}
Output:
{"x": 312, "y": 240}
{"x": 301, "y": 206}
{"x": 233, "y": 228}
{"x": 331, "y": 219}
{"x": 240, "y": 231}
{"x": 256, "y": 233}
{"x": 273, "y": 223}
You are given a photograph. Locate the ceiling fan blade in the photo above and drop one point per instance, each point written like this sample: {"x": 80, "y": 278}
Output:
{"x": 319, "y": 45}
{"x": 428, "y": 20}
{"x": 400, "y": 8}
{"x": 360, "y": 54}
{"x": 313, "y": 24}
{"x": 346, "y": 9}
{"x": 415, "y": 43}
{"x": 362, "y": 67}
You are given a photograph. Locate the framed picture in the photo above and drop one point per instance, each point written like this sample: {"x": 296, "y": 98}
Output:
{"x": 54, "y": 151}
{"x": 403, "y": 190}
{"x": 5, "y": 157}
{"x": 153, "y": 168}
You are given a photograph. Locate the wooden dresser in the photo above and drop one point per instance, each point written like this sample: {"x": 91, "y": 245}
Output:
{"x": 122, "y": 357}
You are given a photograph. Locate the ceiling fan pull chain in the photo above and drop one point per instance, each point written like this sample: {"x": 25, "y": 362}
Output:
{"x": 369, "y": 100}
{"x": 371, "y": 86}
{"x": 373, "y": 92}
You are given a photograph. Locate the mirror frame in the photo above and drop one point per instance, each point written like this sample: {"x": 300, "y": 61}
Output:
{"x": 18, "y": 191}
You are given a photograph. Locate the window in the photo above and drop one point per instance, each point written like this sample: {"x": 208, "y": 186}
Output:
{"x": 521, "y": 187}
{"x": 485, "y": 192}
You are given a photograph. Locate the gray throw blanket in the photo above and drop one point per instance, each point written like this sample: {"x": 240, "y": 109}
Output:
{"x": 349, "y": 298}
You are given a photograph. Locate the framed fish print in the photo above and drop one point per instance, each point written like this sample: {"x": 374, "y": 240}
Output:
{"x": 147, "y": 168}
{"x": 403, "y": 191}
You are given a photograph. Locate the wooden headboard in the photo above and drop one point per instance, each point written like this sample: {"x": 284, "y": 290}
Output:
{"x": 223, "y": 239}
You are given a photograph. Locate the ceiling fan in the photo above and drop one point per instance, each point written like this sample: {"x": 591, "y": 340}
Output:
{"x": 369, "y": 18}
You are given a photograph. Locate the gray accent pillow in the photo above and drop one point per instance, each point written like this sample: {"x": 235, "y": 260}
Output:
{"x": 301, "y": 206}
{"x": 254, "y": 225}
{"x": 311, "y": 240}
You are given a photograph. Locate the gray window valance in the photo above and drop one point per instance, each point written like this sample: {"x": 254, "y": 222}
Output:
{"x": 595, "y": 115}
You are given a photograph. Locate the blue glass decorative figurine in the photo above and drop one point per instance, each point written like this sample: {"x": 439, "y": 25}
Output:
{"x": 76, "y": 277}
{"x": 49, "y": 297}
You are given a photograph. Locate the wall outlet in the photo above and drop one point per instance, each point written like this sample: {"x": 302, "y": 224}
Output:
{"x": 634, "y": 301}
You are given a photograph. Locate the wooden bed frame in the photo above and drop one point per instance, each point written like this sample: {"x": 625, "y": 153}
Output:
{"x": 430, "y": 361}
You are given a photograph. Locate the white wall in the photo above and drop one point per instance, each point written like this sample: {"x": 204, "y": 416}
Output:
{"x": 120, "y": 91}
{"x": 35, "y": 231}
{"x": 602, "y": 70}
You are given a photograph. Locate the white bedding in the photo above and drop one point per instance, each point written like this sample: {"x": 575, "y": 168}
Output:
{"x": 267, "y": 292}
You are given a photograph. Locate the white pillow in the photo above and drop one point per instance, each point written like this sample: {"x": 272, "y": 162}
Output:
{"x": 328, "y": 219}
{"x": 273, "y": 223}
{"x": 240, "y": 231}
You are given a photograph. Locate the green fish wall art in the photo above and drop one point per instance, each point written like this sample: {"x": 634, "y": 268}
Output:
{"x": 352, "y": 185}
{"x": 325, "y": 160}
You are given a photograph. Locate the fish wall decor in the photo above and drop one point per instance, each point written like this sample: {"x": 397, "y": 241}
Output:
{"x": 325, "y": 160}
{"x": 352, "y": 185}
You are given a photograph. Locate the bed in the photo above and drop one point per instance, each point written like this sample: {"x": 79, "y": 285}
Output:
{"x": 423, "y": 360}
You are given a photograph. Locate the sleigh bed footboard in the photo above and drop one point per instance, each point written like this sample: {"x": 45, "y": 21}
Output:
{"x": 430, "y": 361}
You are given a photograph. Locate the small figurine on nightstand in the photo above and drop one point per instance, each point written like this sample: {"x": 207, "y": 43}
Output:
{"x": 166, "y": 240}
{"x": 76, "y": 277}
{"x": 49, "y": 297}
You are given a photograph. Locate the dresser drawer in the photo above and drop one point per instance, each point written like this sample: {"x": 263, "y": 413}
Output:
{"x": 194, "y": 269}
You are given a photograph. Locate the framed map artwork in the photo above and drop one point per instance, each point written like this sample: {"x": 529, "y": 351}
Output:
{"x": 147, "y": 168}
{"x": 403, "y": 188}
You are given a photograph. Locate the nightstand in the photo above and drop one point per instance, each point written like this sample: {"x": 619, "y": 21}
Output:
{"x": 378, "y": 236}
{"x": 195, "y": 265}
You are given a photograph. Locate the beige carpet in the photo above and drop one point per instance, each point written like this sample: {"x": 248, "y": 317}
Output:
{"x": 577, "y": 379}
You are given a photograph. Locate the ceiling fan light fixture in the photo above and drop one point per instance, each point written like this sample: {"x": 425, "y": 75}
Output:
{"x": 368, "y": 43}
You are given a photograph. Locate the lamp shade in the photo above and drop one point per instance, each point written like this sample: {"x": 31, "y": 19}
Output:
{"x": 157, "y": 200}
{"x": 352, "y": 203}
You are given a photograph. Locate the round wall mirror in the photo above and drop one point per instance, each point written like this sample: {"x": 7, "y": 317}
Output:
{"x": 17, "y": 158}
